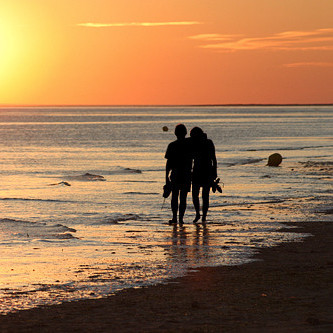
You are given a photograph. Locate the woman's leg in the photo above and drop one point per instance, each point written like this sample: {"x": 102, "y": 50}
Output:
{"x": 205, "y": 202}
{"x": 196, "y": 203}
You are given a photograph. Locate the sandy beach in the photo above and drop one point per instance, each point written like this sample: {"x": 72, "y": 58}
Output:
{"x": 289, "y": 289}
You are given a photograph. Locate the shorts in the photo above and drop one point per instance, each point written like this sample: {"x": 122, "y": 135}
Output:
{"x": 181, "y": 180}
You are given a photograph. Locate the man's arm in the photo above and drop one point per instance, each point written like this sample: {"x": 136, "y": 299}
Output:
{"x": 167, "y": 171}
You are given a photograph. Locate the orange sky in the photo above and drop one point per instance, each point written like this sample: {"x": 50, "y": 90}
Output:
{"x": 108, "y": 52}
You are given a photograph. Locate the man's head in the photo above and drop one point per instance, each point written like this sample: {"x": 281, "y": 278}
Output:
{"x": 180, "y": 131}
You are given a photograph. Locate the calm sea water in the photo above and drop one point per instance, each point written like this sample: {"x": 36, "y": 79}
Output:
{"x": 103, "y": 234}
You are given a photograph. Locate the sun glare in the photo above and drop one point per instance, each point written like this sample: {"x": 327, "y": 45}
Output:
{"x": 75, "y": 52}
{"x": 11, "y": 51}
{"x": 7, "y": 48}
{"x": 26, "y": 58}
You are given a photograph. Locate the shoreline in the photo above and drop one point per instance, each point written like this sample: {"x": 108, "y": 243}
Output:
{"x": 287, "y": 289}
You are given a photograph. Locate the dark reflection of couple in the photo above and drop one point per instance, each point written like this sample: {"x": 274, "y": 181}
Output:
{"x": 190, "y": 161}
{"x": 190, "y": 247}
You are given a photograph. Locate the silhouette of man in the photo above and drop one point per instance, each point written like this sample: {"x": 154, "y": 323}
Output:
{"x": 178, "y": 168}
{"x": 204, "y": 170}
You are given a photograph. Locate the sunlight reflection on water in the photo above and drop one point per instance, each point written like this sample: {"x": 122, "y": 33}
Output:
{"x": 92, "y": 238}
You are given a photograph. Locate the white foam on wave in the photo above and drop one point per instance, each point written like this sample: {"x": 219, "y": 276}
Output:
{"x": 87, "y": 177}
{"x": 243, "y": 161}
{"x": 24, "y": 230}
{"x": 119, "y": 170}
{"x": 115, "y": 218}
{"x": 35, "y": 199}
{"x": 142, "y": 193}
{"x": 287, "y": 148}
{"x": 97, "y": 175}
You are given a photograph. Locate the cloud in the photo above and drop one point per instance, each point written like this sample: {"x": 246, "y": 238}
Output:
{"x": 137, "y": 24}
{"x": 309, "y": 64}
{"x": 214, "y": 37}
{"x": 319, "y": 39}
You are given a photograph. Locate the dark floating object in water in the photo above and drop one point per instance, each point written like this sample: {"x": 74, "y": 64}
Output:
{"x": 274, "y": 160}
{"x": 61, "y": 183}
{"x": 165, "y": 128}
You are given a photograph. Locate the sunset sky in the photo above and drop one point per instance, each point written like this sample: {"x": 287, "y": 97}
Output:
{"x": 144, "y": 52}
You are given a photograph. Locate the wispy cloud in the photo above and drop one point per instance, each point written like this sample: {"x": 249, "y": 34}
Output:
{"x": 309, "y": 64}
{"x": 214, "y": 37}
{"x": 137, "y": 24}
{"x": 319, "y": 39}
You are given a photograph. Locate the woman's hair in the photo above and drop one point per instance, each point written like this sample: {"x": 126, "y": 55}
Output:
{"x": 196, "y": 132}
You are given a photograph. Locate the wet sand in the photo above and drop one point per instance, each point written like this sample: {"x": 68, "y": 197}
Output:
{"x": 289, "y": 289}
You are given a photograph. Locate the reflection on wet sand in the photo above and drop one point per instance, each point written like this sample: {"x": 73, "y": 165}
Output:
{"x": 201, "y": 248}
{"x": 189, "y": 247}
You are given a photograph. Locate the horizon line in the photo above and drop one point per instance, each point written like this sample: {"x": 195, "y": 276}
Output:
{"x": 164, "y": 105}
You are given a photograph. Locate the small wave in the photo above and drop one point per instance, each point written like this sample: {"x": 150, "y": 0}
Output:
{"x": 5, "y": 220}
{"x": 87, "y": 177}
{"x": 287, "y": 148}
{"x": 250, "y": 203}
{"x": 32, "y": 199}
{"x": 44, "y": 237}
{"x": 121, "y": 170}
{"x": 319, "y": 168}
{"x": 133, "y": 170}
{"x": 65, "y": 227}
{"x": 61, "y": 183}
{"x": 64, "y": 236}
{"x": 34, "y": 230}
{"x": 329, "y": 191}
{"x": 313, "y": 164}
{"x": 134, "y": 181}
{"x": 263, "y": 202}
{"x": 154, "y": 170}
{"x": 98, "y": 177}
{"x": 118, "y": 217}
{"x": 142, "y": 193}
{"x": 244, "y": 162}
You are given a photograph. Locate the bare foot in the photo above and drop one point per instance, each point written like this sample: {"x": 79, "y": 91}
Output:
{"x": 172, "y": 222}
{"x": 197, "y": 218}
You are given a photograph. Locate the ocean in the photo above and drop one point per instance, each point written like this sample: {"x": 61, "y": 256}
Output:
{"x": 81, "y": 207}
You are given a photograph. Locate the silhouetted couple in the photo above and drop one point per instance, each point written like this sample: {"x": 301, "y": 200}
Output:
{"x": 197, "y": 151}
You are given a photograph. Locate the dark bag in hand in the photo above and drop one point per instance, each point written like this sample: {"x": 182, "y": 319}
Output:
{"x": 166, "y": 190}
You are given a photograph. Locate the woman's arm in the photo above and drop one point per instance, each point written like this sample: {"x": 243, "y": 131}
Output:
{"x": 214, "y": 160}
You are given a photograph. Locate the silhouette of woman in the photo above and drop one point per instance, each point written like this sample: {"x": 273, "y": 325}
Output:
{"x": 204, "y": 170}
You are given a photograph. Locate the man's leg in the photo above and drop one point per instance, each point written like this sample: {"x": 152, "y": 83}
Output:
{"x": 182, "y": 205}
{"x": 196, "y": 203}
{"x": 174, "y": 205}
{"x": 205, "y": 202}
